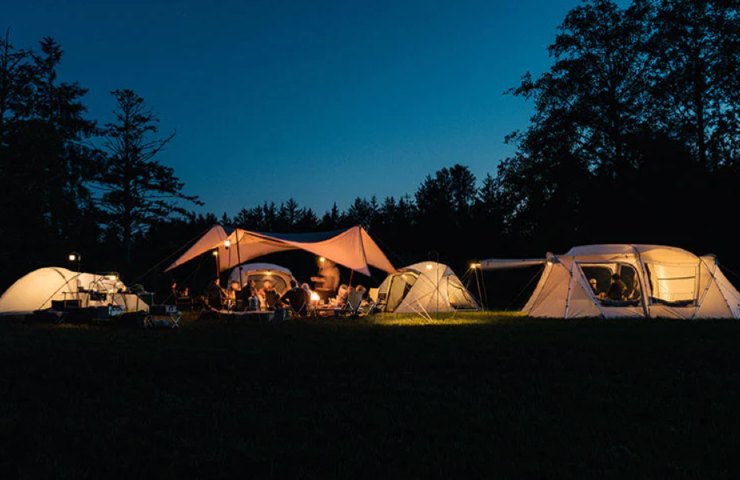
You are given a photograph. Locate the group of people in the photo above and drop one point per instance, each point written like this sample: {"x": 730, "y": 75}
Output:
{"x": 343, "y": 293}
{"x": 617, "y": 290}
{"x": 248, "y": 297}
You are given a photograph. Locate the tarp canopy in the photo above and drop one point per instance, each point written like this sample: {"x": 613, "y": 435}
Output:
{"x": 352, "y": 248}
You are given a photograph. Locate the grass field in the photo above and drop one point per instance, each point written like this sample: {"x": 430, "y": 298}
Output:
{"x": 481, "y": 396}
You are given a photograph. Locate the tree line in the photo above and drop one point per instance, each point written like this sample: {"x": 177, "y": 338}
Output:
{"x": 634, "y": 138}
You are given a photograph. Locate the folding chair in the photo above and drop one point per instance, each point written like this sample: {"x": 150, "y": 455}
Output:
{"x": 354, "y": 301}
{"x": 163, "y": 316}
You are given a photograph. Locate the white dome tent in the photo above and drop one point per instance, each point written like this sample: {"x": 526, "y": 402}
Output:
{"x": 37, "y": 289}
{"x": 665, "y": 282}
{"x": 423, "y": 288}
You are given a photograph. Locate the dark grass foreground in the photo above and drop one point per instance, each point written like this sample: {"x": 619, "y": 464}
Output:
{"x": 483, "y": 396}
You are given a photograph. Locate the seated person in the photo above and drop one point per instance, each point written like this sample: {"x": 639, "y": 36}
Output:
{"x": 616, "y": 289}
{"x": 341, "y": 299}
{"x": 248, "y": 291}
{"x": 214, "y": 295}
{"x": 233, "y": 293}
{"x": 635, "y": 294}
{"x": 595, "y": 287}
{"x": 295, "y": 297}
{"x": 269, "y": 295}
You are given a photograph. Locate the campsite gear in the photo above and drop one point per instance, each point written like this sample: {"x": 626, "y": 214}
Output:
{"x": 667, "y": 282}
{"x": 164, "y": 316}
{"x": 424, "y": 287}
{"x": 56, "y": 287}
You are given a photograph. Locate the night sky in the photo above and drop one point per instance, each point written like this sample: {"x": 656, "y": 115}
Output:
{"x": 320, "y": 101}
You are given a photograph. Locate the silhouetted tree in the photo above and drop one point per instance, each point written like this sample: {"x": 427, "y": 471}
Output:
{"x": 137, "y": 189}
{"x": 696, "y": 46}
{"x": 45, "y": 161}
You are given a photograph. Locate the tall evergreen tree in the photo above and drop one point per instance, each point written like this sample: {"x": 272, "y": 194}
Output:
{"x": 137, "y": 190}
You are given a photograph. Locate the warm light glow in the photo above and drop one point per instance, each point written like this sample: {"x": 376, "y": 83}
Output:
{"x": 315, "y": 297}
{"x": 322, "y": 259}
{"x": 112, "y": 276}
{"x": 72, "y": 257}
{"x": 429, "y": 266}
{"x": 227, "y": 243}
{"x": 269, "y": 274}
{"x": 474, "y": 265}
{"x": 215, "y": 253}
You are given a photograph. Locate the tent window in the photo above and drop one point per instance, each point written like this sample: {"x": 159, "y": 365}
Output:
{"x": 624, "y": 292}
{"x": 674, "y": 285}
{"x": 601, "y": 273}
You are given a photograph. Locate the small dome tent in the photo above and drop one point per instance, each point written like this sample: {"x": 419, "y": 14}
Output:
{"x": 660, "y": 282}
{"x": 259, "y": 272}
{"x": 36, "y": 290}
{"x": 425, "y": 287}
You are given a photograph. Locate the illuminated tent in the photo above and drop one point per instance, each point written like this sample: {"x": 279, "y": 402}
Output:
{"x": 353, "y": 247}
{"x": 259, "y": 272}
{"x": 36, "y": 290}
{"x": 425, "y": 287}
{"x": 661, "y": 282}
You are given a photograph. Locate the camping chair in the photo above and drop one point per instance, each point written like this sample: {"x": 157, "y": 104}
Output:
{"x": 354, "y": 301}
{"x": 300, "y": 312}
{"x": 371, "y": 306}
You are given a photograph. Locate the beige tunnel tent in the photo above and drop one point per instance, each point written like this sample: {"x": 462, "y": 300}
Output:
{"x": 425, "y": 287}
{"x": 663, "y": 282}
{"x": 352, "y": 247}
{"x": 36, "y": 290}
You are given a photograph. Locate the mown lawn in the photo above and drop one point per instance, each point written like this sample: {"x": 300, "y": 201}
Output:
{"x": 481, "y": 396}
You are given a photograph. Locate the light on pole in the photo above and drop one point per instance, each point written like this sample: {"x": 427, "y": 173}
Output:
{"x": 75, "y": 257}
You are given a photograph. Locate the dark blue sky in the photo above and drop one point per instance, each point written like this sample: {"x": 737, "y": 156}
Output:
{"x": 322, "y": 101}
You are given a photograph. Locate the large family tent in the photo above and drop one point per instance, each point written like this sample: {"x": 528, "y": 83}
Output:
{"x": 424, "y": 287}
{"x": 661, "y": 282}
{"x": 259, "y": 272}
{"x": 36, "y": 290}
{"x": 352, "y": 247}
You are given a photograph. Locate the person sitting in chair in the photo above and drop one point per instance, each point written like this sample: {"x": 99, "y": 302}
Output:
{"x": 616, "y": 289}
{"x": 341, "y": 299}
{"x": 270, "y": 295}
{"x": 295, "y": 298}
{"x": 233, "y": 294}
{"x": 214, "y": 295}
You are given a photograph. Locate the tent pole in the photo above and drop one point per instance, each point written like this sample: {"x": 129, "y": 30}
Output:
{"x": 477, "y": 282}
{"x": 239, "y": 258}
{"x": 218, "y": 264}
{"x": 351, "y": 274}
